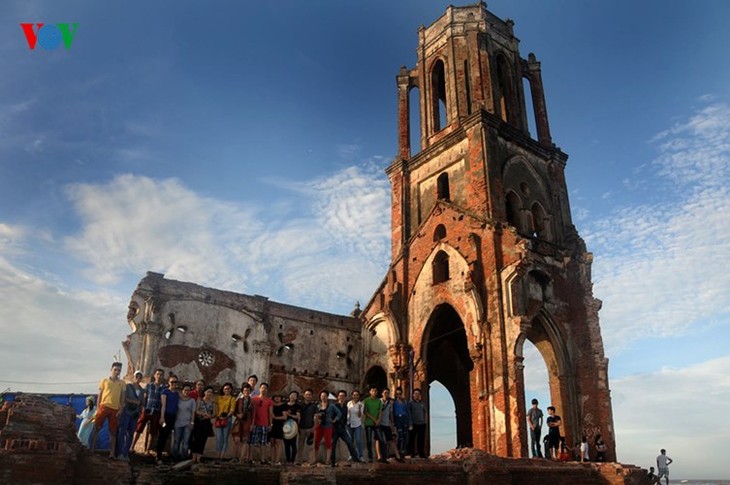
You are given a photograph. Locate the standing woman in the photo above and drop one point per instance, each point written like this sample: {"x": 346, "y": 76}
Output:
{"x": 225, "y": 407}
{"x": 277, "y": 429}
{"x": 203, "y": 427}
{"x": 354, "y": 421}
{"x": 293, "y": 411}
{"x": 242, "y": 426}
{"x": 324, "y": 418}
{"x": 87, "y": 422}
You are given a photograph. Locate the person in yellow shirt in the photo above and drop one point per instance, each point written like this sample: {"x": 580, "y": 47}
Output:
{"x": 111, "y": 403}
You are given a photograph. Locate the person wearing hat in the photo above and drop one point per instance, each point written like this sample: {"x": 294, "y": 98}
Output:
{"x": 291, "y": 427}
{"x": 87, "y": 422}
{"x": 133, "y": 394}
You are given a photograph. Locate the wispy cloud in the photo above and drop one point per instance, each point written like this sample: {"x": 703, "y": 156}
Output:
{"x": 327, "y": 258}
{"x": 657, "y": 263}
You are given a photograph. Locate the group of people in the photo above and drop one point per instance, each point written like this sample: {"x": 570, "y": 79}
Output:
{"x": 266, "y": 428}
{"x": 553, "y": 443}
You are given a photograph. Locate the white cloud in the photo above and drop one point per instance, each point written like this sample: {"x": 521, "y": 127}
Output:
{"x": 328, "y": 258}
{"x": 134, "y": 224}
{"x": 680, "y": 410}
{"x": 54, "y": 334}
{"x": 657, "y": 263}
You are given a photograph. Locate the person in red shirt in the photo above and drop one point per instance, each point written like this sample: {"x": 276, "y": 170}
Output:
{"x": 263, "y": 418}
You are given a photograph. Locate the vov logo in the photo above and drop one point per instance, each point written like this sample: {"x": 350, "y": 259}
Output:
{"x": 49, "y": 36}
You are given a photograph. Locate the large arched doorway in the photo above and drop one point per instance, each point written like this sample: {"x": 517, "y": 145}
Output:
{"x": 375, "y": 377}
{"x": 447, "y": 360}
{"x": 542, "y": 341}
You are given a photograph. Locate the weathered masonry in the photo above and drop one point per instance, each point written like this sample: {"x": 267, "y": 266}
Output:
{"x": 484, "y": 258}
{"x": 220, "y": 336}
{"x": 484, "y": 253}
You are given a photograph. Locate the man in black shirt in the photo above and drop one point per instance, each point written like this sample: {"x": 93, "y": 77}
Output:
{"x": 340, "y": 430}
{"x": 306, "y": 424}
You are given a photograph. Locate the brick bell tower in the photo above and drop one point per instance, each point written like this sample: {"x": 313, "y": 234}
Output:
{"x": 484, "y": 252}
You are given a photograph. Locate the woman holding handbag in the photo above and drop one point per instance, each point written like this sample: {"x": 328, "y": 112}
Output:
{"x": 203, "y": 428}
{"x": 224, "y": 408}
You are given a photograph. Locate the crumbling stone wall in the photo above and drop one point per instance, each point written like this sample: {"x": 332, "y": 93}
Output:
{"x": 38, "y": 444}
{"x": 220, "y": 336}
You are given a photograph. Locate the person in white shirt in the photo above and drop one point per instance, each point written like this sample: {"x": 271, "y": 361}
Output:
{"x": 662, "y": 464}
{"x": 354, "y": 420}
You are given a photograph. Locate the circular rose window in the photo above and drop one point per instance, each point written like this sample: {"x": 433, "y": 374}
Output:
{"x": 205, "y": 357}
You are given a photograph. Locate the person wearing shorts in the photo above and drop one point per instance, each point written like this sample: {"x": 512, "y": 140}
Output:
{"x": 263, "y": 418}
{"x": 662, "y": 464}
{"x": 111, "y": 401}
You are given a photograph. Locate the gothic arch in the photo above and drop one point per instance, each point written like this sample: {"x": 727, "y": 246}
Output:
{"x": 546, "y": 336}
{"x": 506, "y": 94}
{"x": 380, "y": 334}
{"x": 454, "y": 292}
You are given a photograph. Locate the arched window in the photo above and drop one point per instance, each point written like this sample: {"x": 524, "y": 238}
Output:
{"x": 539, "y": 223}
{"x": 467, "y": 85}
{"x": 442, "y": 187}
{"x": 505, "y": 96}
{"x": 439, "y": 233}
{"x": 513, "y": 207}
{"x": 438, "y": 95}
{"x": 440, "y": 267}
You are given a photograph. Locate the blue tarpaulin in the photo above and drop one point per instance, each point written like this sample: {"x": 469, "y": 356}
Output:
{"x": 78, "y": 403}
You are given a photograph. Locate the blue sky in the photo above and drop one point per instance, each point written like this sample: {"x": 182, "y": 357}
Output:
{"x": 241, "y": 145}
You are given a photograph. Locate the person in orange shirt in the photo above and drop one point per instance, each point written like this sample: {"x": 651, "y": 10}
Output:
{"x": 111, "y": 403}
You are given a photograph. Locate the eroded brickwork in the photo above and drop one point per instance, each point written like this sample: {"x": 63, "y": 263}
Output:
{"x": 485, "y": 255}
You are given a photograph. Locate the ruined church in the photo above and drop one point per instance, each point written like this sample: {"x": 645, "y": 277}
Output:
{"x": 484, "y": 258}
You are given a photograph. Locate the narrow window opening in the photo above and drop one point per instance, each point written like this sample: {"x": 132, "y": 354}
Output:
{"x": 530, "y": 113}
{"x": 442, "y": 187}
{"x": 440, "y": 267}
{"x": 414, "y": 112}
{"x": 467, "y": 83}
{"x": 438, "y": 96}
{"x": 506, "y": 90}
{"x": 513, "y": 207}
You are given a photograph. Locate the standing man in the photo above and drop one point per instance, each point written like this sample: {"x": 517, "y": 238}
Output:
{"x": 306, "y": 425}
{"x": 151, "y": 411}
{"x": 111, "y": 401}
{"x": 340, "y": 430}
{"x": 553, "y": 422}
{"x": 263, "y": 420}
{"x": 133, "y": 394}
{"x": 418, "y": 420}
{"x": 169, "y": 399}
{"x": 662, "y": 464}
{"x": 386, "y": 426}
{"x": 402, "y": 421}
{"x": 372, "y": 406}
{"x": 252, "y": 380}
{"x": 534, "y": 419}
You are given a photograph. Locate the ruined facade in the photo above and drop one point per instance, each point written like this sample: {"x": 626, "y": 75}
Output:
{"x": 484, "y": 253}
{"x": 220, "y": 336}
{"x": 484, "y": 257}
